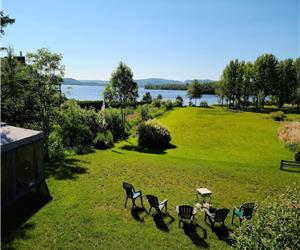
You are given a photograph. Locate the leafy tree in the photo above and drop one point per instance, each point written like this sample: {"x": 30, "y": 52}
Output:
{"x": 179, "y": 101}
{"x": 122, "y": 90}
{"x": 275, "y": 225}
{"x": 5, "y": 20}
{"x": 159, "y": 97}
{"x": 15, "y": 87}
{"x": 147, "y": 98}
{"x": 265, "y": 75}
{"x": 296, "y": 96}
{"x": 194, "y": 90}
{"x": 287, "y": 82}
{"x": 46, "y": 74}
{"x": 247, "y": 82}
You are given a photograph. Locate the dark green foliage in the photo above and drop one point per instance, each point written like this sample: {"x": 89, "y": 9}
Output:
{"x": 168, "y": 104}
{"x": 287, "y": 82}
{"x": 179, "y": 101}
{"x": 204, "y": 104}
{"x": 276, "y": 224}
{"x": 156, "y": 102}
{"x": 167, "y": 86}
{"x": 114, "y": 123}
{"x": 147, "y": 98}
{"x": 194, "y": 90}
{"x": 104, "y": 140}
{"x": 144, "y": 112}
{"x": 90, "y": 104}
{"x": 55, "y": 147}
{"x": 84, "y": 149}
{"x": 152, "y": 134}
{"x": 5, "y": 20}
{"x": 78, "y": 126}
{"x": 278, "y": 116}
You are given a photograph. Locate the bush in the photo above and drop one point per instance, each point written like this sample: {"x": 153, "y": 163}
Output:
{"x": 168, "y": 104}
{"x": 275, "y": 225}
{"x": 278, "y": 116}
{"x": 83, "y": 149}
{"x": 147, "y": 98}
{"x": 90, "y": 104}
{"x": 55, "y": 145}
{"x": 153, "y": 134}
{"x": 75, "y": 123}
{"x": 114, "y": 122}
{"x": 144, "y": 112}
{"x": 156, "y": 103}
{"x": 104, "y": 140}
{"x": 179, "y": 101}
{"x": 204, "y": 104}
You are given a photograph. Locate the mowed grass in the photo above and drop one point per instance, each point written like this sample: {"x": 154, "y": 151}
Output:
{"x": 235, "y": 155}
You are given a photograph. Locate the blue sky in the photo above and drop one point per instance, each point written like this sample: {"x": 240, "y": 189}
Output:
{"x": 159, "y": 38}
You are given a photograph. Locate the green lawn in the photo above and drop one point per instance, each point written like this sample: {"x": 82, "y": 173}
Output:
{"x": 236, "y": 155}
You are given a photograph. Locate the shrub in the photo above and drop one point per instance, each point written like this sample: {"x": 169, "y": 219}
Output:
{"x": 147, "y": 98}
{"x": 289, "y": 133}
{"x": 55, "y": 145}
{"x": 275, "y": 225}
{"x": 278, "y": 116}
{"x": 104, "y": 140}
{"x": 114, "y": 122}
{"x": 168, "y": 104}
{"x": 179, "y": 101}
{"x": 156, "y": 103}
{"x": 190, "y": 104}
{"x": 74, "y": 123}
{"x": 144, "y": 112}
{"x": 83, "y": 149}
{"x": 153, "y": 134}
{"x": 159, "y": 97}
{"x": 204, "y": 104}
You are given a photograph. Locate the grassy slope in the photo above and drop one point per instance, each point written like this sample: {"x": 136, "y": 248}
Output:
{"x": 236, "y": 155}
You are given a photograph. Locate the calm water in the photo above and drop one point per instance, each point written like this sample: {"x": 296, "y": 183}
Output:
{"x": 80, "y": 92}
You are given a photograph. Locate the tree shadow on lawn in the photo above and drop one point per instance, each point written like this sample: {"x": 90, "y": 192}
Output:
{"x": 160, "y": 223}
{"x": 147, "y": 150}
{"x": 191, "y": 231}
{"x": 67, "y": 168}
{"x": 13, "y": 219}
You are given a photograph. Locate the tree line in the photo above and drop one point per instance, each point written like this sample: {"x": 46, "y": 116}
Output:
{"x": 246, "y": 83}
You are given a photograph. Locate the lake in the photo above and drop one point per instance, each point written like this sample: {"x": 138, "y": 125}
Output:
{"x": 80, "y": 92}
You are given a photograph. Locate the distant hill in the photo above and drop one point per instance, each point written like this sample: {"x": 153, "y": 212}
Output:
{"x": 141, "y": 82}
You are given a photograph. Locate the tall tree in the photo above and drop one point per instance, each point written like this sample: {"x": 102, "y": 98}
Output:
{"x": 5, "y": 20}
{"x": 46, "y": 74}
{"x": 194, "y": 90}
{"x": 247, "y": 83}
{"x": 265, "y": 76}
{"x": 287, "y": 82}
{"x": 122, "y": 90}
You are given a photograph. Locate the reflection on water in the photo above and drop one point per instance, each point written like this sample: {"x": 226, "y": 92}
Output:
{"x": 80, "y": 92}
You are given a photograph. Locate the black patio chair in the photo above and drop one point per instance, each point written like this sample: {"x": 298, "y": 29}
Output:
{"x": 216, "y": 215}
{"x": 244, "y": 212}
{"x": 132, "y": 194}
{"x": 158, "y": 206}
{"x": 186, "y": 212}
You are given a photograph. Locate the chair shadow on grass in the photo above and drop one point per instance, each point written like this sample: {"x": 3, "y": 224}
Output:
{"x": 147, "y": 150}
{"x": 14, "y": 219}
{"x": 137, "y": 213}
{"x": 191, "y": 231}
{"x": 160, "y": 219}
{"x": 67, "y": 168}
{"x": 223, "y": 233}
